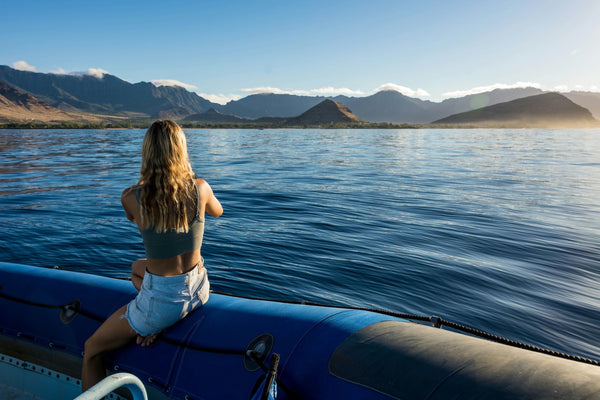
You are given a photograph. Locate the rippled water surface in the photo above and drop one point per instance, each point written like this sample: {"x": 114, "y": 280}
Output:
{"x": 496, "y": 229}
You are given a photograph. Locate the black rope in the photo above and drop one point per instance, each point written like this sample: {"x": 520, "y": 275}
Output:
{"x": 202, "y": 348}
{"x": 434, "y": 320}
{"x": 514, "y": 343}
{"x": 165, "y": 339}
{"x": 92, "y": 316}
{"x": 438, "y": 323}
{"x": 99, "y": 319}
{"x": 29, "y": 303}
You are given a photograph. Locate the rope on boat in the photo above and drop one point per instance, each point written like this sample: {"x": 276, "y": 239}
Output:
{"x": 201, "y": 348}
{"x": 438, "y": 322}
{"x": 68, "y": 311}
{"x": 73, "y": 308}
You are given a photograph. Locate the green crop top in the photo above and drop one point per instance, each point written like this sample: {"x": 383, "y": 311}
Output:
{"x": 172, "y": 243}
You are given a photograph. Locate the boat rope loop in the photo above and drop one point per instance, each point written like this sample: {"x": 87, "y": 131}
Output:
{"x": 73, "y": 308}
{"x": 514, "y": 343}
{"x": 438, "y": 322}
{"x": 68, "y": 311}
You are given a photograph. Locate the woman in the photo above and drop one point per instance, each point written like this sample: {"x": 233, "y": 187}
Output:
{"x": 168, "y": 205}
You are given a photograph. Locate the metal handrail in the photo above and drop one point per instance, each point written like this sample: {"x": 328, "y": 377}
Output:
{"x": 112, "y": 382}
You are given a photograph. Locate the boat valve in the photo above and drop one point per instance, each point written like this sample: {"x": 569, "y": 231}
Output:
{"x": 69, "y": 311}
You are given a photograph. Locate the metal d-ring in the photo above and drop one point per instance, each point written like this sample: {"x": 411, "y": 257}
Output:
{"x": 257, "y": 351}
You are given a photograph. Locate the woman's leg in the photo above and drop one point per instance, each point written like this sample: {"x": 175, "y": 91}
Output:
{"x": 138, "y": 269}
{"x": 114, "y": 333}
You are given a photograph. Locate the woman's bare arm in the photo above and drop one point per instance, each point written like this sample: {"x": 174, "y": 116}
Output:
{"x": 213, "y": 206}
{"x": 126, "y": 201}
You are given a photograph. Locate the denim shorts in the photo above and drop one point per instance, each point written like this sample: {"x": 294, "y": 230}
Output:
{"x": 164, "y": 300}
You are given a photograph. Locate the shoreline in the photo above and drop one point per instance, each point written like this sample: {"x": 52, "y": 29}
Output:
{"x": 262, "y": 126}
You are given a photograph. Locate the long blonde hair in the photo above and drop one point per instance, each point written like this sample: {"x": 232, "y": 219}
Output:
{"x": 166, "y": 178}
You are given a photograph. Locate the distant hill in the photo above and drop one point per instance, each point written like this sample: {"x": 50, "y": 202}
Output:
{"x": 389, "y": 106}
{"x": 385, "y": 106}
{"x": 474, "y": 101}
{"x": 326, "y": 112}
{"x": 215, "y": 116}
{"x": 16, "y": 105}
{"x": 589, "y": 100}
{"x": 543, "y": 110}
{"x": 107, "y": 95}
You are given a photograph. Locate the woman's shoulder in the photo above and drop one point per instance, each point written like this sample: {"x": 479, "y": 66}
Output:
{"x": 199, "y": 181}
{"x": 203, "y": 187}
{"x": 129, "y": 191}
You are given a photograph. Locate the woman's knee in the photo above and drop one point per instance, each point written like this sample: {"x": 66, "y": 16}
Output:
{"x": 91, "y": 348}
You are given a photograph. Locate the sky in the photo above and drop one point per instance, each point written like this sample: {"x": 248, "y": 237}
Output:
{"x": 226, "y": 50}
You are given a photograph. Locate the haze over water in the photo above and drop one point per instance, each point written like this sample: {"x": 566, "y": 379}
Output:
{"x": 496, "y": 229}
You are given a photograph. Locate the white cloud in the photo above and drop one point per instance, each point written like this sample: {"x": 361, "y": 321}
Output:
{"x": 331, "y": 91}
{"x": 219, "y": 98}
{"x": 59, "y": 71}
{"x": 561, "y": 88}
{"x": 593, "y": 88}
{"x": 324, "y": 91}
{"x": 173, "y": 82}
{"x": 263, "y": 90}
{"x": 24, "y": 66}
{"x": 574, "y": 52}
{"x": 403, "y": 89}
{"x": 96, "y": 72}
{"x": 483, "y": 89}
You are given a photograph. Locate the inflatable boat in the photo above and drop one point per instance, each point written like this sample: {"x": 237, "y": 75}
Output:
{"x": 222, "y": 350}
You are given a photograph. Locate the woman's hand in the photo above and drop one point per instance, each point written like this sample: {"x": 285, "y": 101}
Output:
{"x": 146, "y": 340}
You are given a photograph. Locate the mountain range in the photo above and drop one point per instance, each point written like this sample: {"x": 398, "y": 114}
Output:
{"x": 107, "y": 97}
{"x": 16, "y": 105}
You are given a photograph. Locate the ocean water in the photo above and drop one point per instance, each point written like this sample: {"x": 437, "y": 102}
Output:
{"x": 495, "y": 229}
